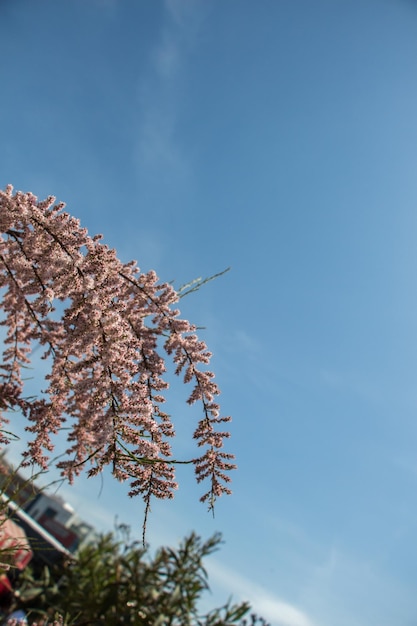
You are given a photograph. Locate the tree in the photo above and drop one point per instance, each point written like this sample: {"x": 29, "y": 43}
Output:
{"x": 106, "y": 330}
{"x": 114, "y": 582}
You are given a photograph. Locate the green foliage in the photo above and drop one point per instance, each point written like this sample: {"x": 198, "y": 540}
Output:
{"x": 116, "y": 582}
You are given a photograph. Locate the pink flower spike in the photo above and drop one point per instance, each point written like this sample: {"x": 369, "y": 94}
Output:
{"x": 105, "y": 331}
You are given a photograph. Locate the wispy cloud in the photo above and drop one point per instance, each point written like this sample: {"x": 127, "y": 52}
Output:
{"x": 158, "y": 152}
{"x": 350, "y": 590}
{"x": 187, "y": 16}
{"x": 247, "y": 342}
{"x": 265, "y": 603}
{"x": 352, "y": 383}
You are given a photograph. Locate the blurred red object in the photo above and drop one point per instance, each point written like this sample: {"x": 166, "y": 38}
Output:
{"x": 15, "y": 550}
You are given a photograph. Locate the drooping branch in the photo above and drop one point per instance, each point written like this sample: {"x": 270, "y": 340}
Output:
{"x": 106, "y": 329}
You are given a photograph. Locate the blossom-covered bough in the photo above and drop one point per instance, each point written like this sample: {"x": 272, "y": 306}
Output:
{"x": 104, "y": 327}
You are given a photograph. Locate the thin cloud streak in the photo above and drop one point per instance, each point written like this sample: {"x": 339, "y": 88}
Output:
{"x": 263, "y": 602}
{"x": 157, "y": 149}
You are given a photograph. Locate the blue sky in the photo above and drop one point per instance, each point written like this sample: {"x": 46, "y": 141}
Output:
{"x": 278, "y": 137}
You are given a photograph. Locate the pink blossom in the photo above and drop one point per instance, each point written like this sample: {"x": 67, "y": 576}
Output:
{"x": 105, "y": 329}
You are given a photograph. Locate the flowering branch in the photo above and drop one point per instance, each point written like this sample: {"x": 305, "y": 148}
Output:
{"x": 106, "y": 380}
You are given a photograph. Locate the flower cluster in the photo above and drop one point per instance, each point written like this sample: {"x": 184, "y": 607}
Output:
{"x": 106, "y": 329}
